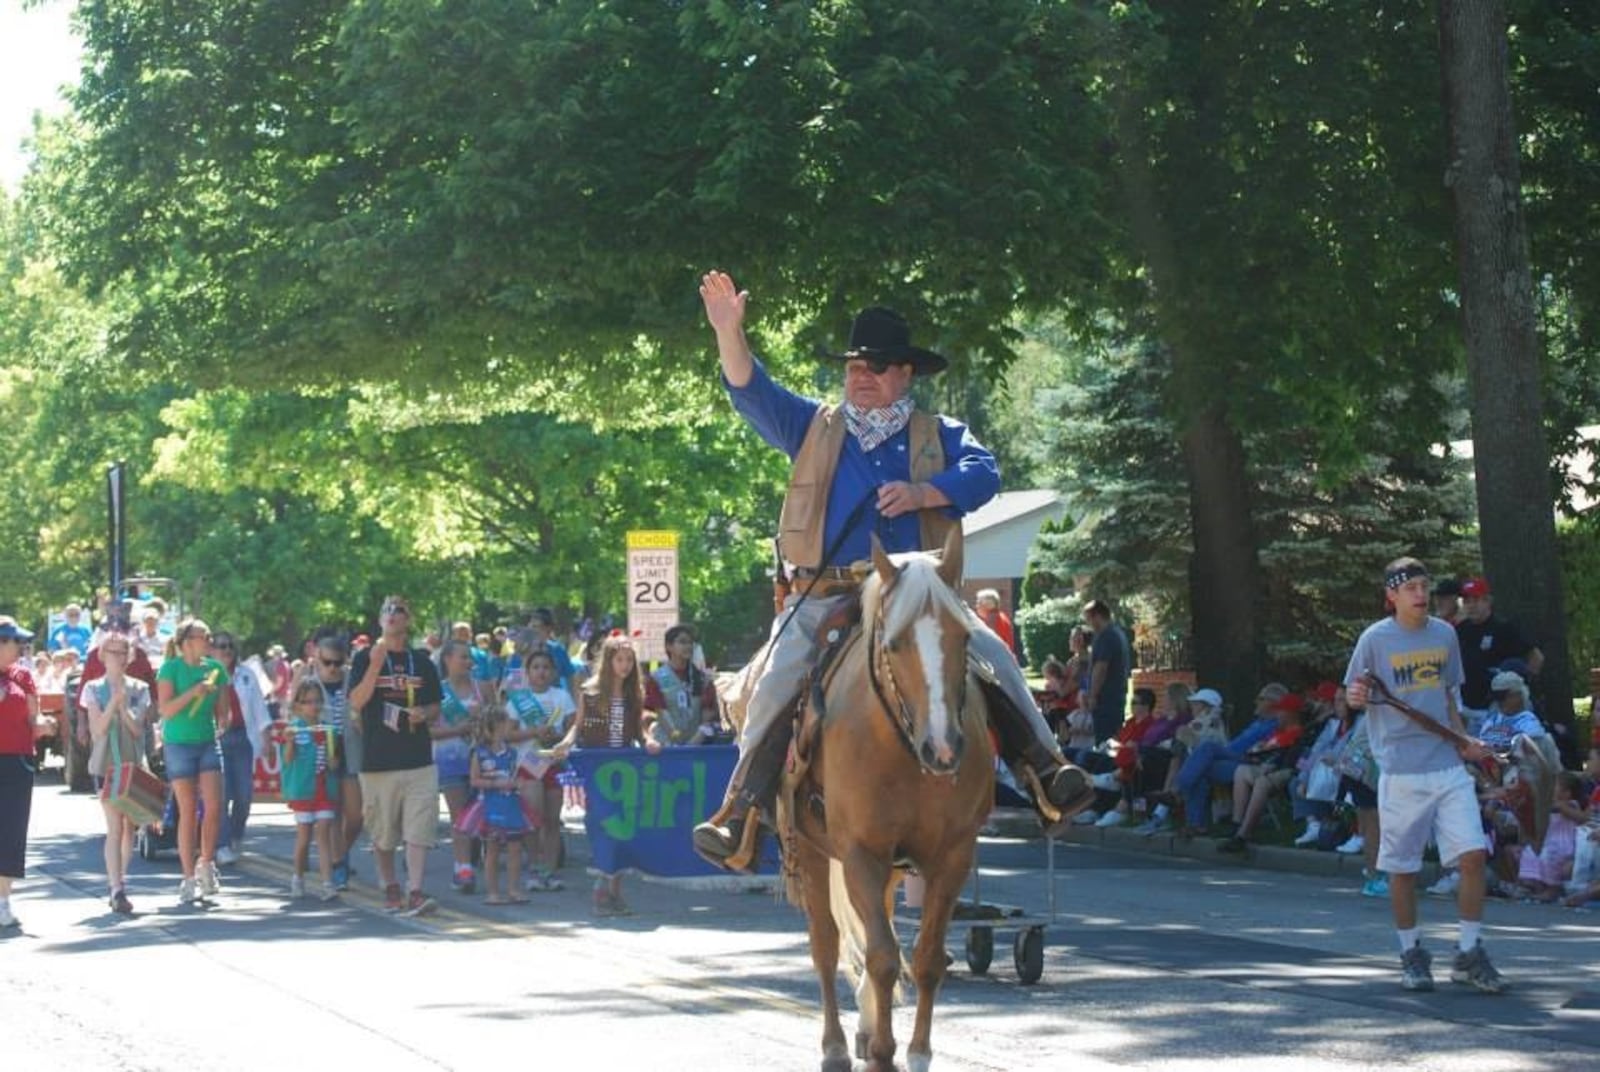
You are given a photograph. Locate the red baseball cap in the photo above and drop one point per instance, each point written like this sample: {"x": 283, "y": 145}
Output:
{"x": 1474, "y": 588}
{"x": 1290, "y": 702}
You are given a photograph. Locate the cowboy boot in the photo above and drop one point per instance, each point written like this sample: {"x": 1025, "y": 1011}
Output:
{"x": 730, "y": 839}
{"x": 1059, "y": 789}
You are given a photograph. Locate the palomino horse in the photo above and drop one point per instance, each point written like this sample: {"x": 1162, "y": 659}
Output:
{"x": 902, "y": 769}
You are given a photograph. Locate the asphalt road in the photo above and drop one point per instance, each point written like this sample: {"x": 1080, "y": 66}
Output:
{"x": 1150, "y": 963}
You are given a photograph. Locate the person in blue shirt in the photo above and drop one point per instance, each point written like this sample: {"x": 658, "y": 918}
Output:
{"x": 71, "y": 633}
{"x": 872, "y": 465}
{"x": 1213, "y": 763}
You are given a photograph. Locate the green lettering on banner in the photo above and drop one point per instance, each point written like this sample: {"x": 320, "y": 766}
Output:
{"x": 646, "y": 801}
{"x": 618, "y": 783}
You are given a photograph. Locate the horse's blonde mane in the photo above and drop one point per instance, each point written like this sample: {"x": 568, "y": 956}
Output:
{"x": 918, "y": 589}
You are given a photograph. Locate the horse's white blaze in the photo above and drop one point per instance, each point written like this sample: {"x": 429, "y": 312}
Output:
{"x": 931, "y": 654}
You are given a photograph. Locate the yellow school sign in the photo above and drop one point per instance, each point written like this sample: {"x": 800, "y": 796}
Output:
{"x": 652, "y": 589}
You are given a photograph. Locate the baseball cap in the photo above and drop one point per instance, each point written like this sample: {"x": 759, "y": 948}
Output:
{"x": 10, "y": 630}
{"x": 1474, "y": 588}
{"x": 1209, "y": 697}
{"x": 1447, "y": 587}
{"x": 1508, "y": 681}
{"x": 1289, "y": 701}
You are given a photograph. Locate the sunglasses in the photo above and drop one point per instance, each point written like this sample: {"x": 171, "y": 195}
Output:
{"x": 397, "y": 608}
{"x": 332, "y": 664}
{"x": 876, "y": 365}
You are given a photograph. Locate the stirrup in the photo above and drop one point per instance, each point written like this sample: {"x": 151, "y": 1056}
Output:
{"x": 746, "y": 830}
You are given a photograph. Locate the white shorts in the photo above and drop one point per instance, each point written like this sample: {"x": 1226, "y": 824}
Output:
{"x": 309, "y": 818}
{"x": 1415, "y": 808}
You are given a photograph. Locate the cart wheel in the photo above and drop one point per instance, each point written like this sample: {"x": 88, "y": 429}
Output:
{"x": 980, "y": 949}
{"x": 145, "y": 844}
{"x": 1029, "y": 954}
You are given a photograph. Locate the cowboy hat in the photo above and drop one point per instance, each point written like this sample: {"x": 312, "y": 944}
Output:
{"x": 880, "y": 334}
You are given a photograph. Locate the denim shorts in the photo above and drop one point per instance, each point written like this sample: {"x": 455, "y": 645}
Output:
{"x": 192, "y": 760}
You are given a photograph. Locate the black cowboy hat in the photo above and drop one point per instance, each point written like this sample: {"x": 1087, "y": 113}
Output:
{"x": 880, "y": 334}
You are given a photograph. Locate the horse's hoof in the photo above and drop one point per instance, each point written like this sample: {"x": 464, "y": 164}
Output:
{"x": 838, "y": 1064}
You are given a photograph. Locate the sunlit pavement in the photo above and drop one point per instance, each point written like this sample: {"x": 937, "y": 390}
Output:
{"x": 1150, "y": 962}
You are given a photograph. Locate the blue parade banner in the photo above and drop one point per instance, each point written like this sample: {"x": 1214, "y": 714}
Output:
{"x": 642, "y": 808}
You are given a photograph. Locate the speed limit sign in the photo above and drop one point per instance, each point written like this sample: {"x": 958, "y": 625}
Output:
{"x": 652, "y": 590}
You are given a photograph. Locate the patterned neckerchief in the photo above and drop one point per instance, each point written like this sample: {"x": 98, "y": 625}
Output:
{"x": 872, "y": 427}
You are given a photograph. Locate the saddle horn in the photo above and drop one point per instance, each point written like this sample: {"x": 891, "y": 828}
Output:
{"x": 950, "y": 559}
{"x": 887, "y": 571}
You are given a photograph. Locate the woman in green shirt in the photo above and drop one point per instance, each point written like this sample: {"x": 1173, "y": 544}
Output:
{"x": 194, "y": 698}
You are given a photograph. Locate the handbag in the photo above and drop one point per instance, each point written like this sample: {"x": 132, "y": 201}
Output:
{"x": 1322, "y": 783}
{"x": 131, "y": 789}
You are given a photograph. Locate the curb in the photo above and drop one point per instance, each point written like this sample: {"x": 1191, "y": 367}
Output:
{"x": 1023, "y": 824}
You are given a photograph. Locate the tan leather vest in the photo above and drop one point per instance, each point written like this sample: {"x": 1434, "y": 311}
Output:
{"x": 805, "y": 506}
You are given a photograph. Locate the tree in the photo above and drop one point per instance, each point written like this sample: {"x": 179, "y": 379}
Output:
{"x": 1510, "y": 451}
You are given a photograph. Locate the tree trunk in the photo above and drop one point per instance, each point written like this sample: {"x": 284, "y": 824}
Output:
{"x": 1511, "y": 456}
{"x": 1225, "y": 574}
{"x": 1225, "y": 584}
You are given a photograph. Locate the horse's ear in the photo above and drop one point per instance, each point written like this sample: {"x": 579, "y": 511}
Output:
{"x": 950, "y": 561}
{"x": 880, "y": 561}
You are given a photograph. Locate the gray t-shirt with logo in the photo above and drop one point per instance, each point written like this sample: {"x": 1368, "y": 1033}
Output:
{"x": 1420, "y": 666}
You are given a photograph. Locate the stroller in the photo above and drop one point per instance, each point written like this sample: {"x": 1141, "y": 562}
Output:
{"x": 153, "y": 839}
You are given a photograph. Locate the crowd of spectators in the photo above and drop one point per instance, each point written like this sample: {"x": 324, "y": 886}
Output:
{"x": 1301, "y": 771}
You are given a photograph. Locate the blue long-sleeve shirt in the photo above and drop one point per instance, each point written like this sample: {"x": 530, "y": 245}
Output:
{"x": 1251, "y": 735}
{"x": 971, "y": 476}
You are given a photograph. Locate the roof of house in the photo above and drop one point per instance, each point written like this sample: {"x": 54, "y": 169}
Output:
{"x": 1009, "y": 506}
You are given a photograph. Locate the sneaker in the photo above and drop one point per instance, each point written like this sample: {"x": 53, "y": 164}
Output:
{"x": 1448, "y": 884}
{"x": 1234, "y": 846}
{"x": 1415, "y": 971}
{"x": 420, "y": 904}
{"x": 1357, "y": 844}
{"x": 464, "y": 880}
{"x": 205, "y": 873}
{"x": 393, "y": 899}
{"x": 328, "y": 892}
{"x": 1151, "y": 827}
{"x": 7, "y": 919}
{"x": 227, "y": 855}
{"x": 552, "y": 884}
{"x": 1474, "y": 970}
{"x": 1110, "y": 818}
{"x": 341, "y": 875}
{"x": 188, "y": 891}
{"x": 1376, "y": 886}
{"x": 120, "y": 903}
{"x": 1313, "y": 831}
{"x": 1107, "y": 781}
{"x": 297, "y": 887}
{"x": 1086, "y": 817}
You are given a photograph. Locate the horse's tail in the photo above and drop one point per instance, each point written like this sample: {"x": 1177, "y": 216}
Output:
{"x": 853, "y": 929}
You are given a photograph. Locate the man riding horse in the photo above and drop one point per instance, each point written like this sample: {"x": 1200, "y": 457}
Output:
{"x": 873, "y": 465}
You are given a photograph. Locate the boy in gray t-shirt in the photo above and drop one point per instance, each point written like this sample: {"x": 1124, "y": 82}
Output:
{"x": 1424, "y": 791}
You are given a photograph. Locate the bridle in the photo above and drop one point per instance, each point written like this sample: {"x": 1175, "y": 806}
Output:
{"x": 880, "y": 672}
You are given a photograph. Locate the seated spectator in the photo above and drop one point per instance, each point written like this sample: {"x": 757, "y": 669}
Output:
{"x": 1265, "y": 769}
{"x": 1358, "y": 787}
{"x": 73, "y": 633}
{"x": 1201, "y": 706}
{"x": 1316, "y": 784}
{"x": 1584, "y": 885}
{"x": 1509, "y": 713}
{"x": 1077, "y": 734}
{"x": 1059, "y": 697}
{"x": 1211, "y": 763}
{"x": 1119, "y": 785}
{"x": 1543, "y": 875}
{"x": 149, "y": 638}
{"x": 1508, "y": 716}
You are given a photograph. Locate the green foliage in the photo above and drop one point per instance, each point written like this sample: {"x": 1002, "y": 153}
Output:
{"x": 1046, "y": 628}
{"x": 1578, "y": 540}
{"x": 1324, "y": 539}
